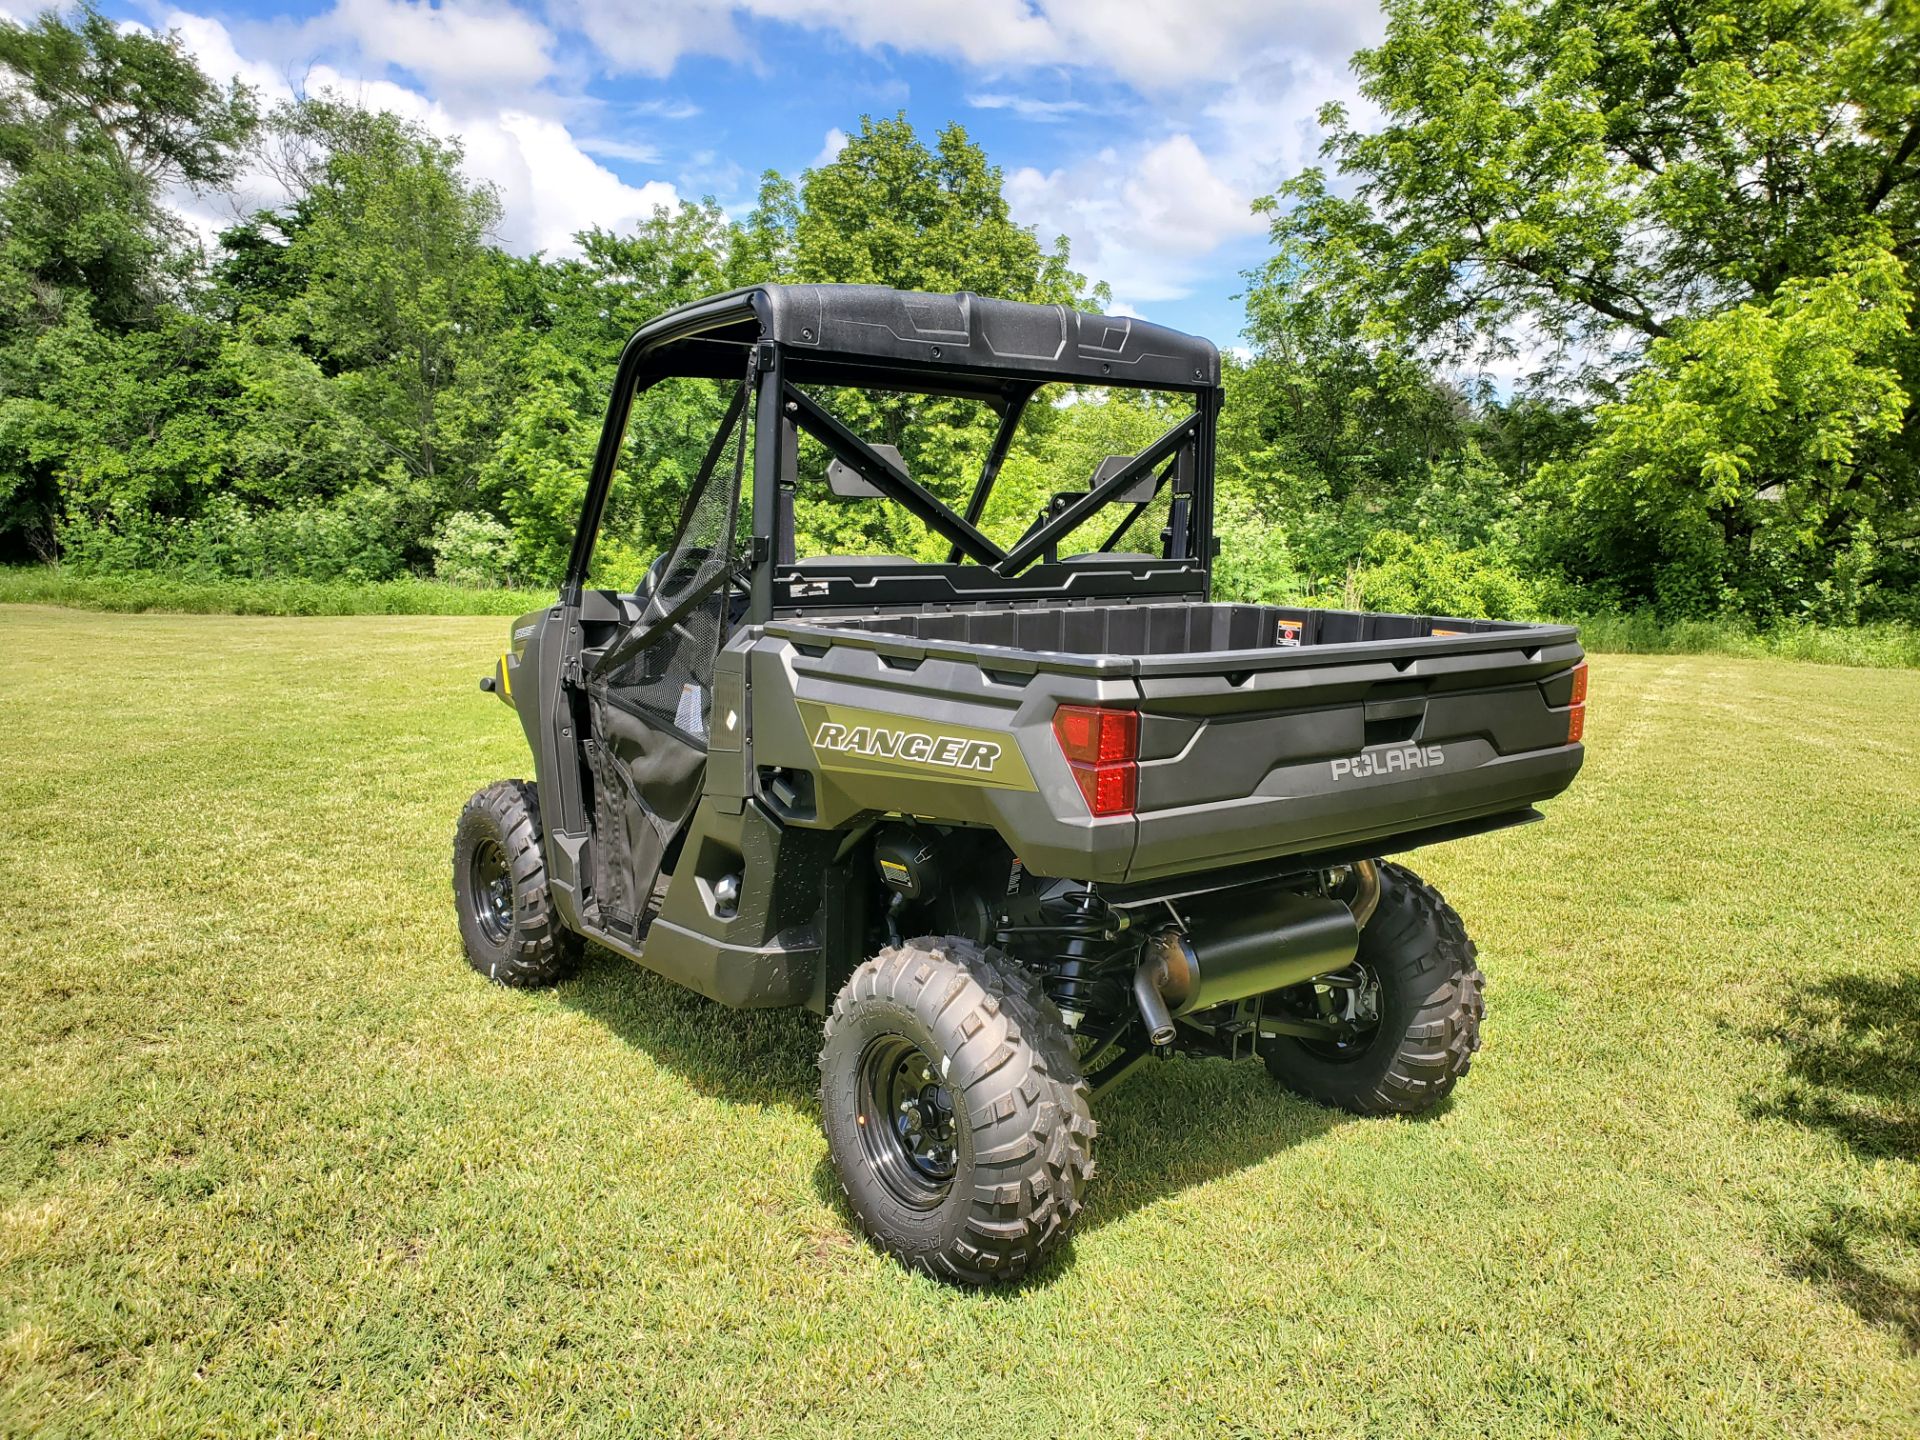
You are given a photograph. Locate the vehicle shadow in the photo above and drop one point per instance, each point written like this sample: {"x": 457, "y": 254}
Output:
{"x": 1177, "y": 1124}
{"x": 749, "y": 1057}
{"x": 1851, "y": 1044}
{"x": 1173, "y": 1126}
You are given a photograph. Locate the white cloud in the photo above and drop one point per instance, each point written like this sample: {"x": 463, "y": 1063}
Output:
{"x": 550, "y": 186}
{"x": 984, "y": 32}
{"x": 213, "y": 46}
{"x": 1267, "y": 117}
{"x": 1153, "y": 218}
{"x": 456, "y": 46}
{"x": 1144, "y": 222}
{"x": 665, "y": 109}
{"x": 1155, "y": 45}
{"x": 830, "y": 148}
{"x": 629, "y": 150}
{"x": 1026, "y": 107}
{"x": 648, "y": 37}
{"x": 1164, "y": 44}
{"x": 1178, "y": 205}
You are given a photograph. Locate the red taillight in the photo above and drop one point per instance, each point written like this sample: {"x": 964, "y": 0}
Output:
{"x": 1101, "y": 747}
{"x": 1093, "y": 736}
{"x": 1577, "y": 714}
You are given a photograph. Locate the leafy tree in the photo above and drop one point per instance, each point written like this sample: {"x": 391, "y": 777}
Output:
{"x": 891, "y": 210}
{"x": 402, "y": 301}
{"x": 1611, "y": 178}
{"x": 1325, "y": 396}
{"x": 97, "y": 122}
{"x": 1524, "y": 432}
{"x": 584, "y": 310}
{"x": 1733, "y": 473}
{"x": 1605, "y": 170}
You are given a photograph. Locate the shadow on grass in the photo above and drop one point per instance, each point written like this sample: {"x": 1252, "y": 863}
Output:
{"x": 1163, "y": 1130}
{"x": 1830, "y": 1258}
{"x": 753, "y": 1057}
{"x": 1174, "y": 1125}
{"x": 1852, "y": 1050}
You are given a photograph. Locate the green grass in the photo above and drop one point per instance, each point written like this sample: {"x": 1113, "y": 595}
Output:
{"x": 276, "y": 1162}
{"x": 1885, "y": 645}
{"x": 43, "y": 585}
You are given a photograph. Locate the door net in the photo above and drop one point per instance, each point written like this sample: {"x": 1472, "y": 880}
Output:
{"x": 650, "y": 698}
{"x": 663, "y": 672}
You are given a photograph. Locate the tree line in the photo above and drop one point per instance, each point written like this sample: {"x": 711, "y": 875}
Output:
{"x": 1693, "y": 223}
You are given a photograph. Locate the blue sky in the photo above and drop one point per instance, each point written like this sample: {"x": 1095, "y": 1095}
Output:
{"x": 1141, "y": 129}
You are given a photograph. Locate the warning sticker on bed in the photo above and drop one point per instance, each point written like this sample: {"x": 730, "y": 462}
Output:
{"x": 1289, "y": 632}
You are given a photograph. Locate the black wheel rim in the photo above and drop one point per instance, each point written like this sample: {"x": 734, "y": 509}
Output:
{"x": 490, "y": 891}
{"x": 906, "y": 1122}
{"x": 1353, "y": 1001}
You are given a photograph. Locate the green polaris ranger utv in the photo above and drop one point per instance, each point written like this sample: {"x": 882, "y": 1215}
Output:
{"x": 1017, "y": 819}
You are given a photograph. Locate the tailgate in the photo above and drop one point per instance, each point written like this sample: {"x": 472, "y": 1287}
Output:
{"x": 1334, "y": 745}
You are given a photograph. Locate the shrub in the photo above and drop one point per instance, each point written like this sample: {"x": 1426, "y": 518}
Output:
{"x": 350, "y": 538}
{"x": 1256, "y": 562}
{"x": 470, "y": 549}
{"x": 1406, "y": 576}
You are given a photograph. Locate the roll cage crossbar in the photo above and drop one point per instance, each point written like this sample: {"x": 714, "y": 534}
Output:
{"x": 888, "y": 478}
{"x": 999, "y": 353}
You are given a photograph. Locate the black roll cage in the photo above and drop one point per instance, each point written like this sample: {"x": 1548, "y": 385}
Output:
{"x": 997, "y": 352}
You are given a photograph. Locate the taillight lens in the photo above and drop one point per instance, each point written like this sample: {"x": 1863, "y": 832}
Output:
{"x": 1577, "y": 713}
{"x": 1095, "y": 736}
{"x": 1101, "y": 747}
{"x": 1110, "y": 789}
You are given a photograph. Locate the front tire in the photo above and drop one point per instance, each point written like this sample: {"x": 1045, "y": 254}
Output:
{"x": 955, "y": 1115}
{"x": 507, "y": 922}
{"x": 1416, "y": 967}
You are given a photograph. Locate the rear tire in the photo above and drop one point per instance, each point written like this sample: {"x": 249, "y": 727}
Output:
{"x": 507, "y": 922}
{"x": 1430, "y": 1003}
{"x": 955, "y": 1115}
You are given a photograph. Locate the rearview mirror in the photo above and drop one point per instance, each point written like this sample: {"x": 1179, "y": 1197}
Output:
{"x": 1138, "y": 493}
{"x": 849, "y": 484}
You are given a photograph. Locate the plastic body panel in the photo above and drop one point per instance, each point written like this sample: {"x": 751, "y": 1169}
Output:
{"x": 1246, "y": 754}
{"x": 973, "y": 332}
{"x": 1048, "y": 824}
{"x": 764, "y": 951}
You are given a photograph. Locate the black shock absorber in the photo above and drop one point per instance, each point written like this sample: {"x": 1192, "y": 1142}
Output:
{"x": 1078, "y": 944}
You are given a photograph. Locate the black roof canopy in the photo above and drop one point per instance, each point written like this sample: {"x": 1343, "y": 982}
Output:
{"x": 967, "y": 342}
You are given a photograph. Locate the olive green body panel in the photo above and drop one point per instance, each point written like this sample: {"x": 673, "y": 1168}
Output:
{"x": 1027, "y": 794}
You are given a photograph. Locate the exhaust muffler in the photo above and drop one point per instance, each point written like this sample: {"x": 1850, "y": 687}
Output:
{"x": 1238, "y": 945}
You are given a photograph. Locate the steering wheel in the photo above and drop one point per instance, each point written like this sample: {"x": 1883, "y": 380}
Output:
{"x": 666, "y": 583}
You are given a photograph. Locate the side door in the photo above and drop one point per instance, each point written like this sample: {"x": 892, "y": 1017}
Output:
{"x": 650, "y": 689}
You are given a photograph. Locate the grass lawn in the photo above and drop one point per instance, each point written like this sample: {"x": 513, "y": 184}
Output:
{"x": 272, "y": 1160}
